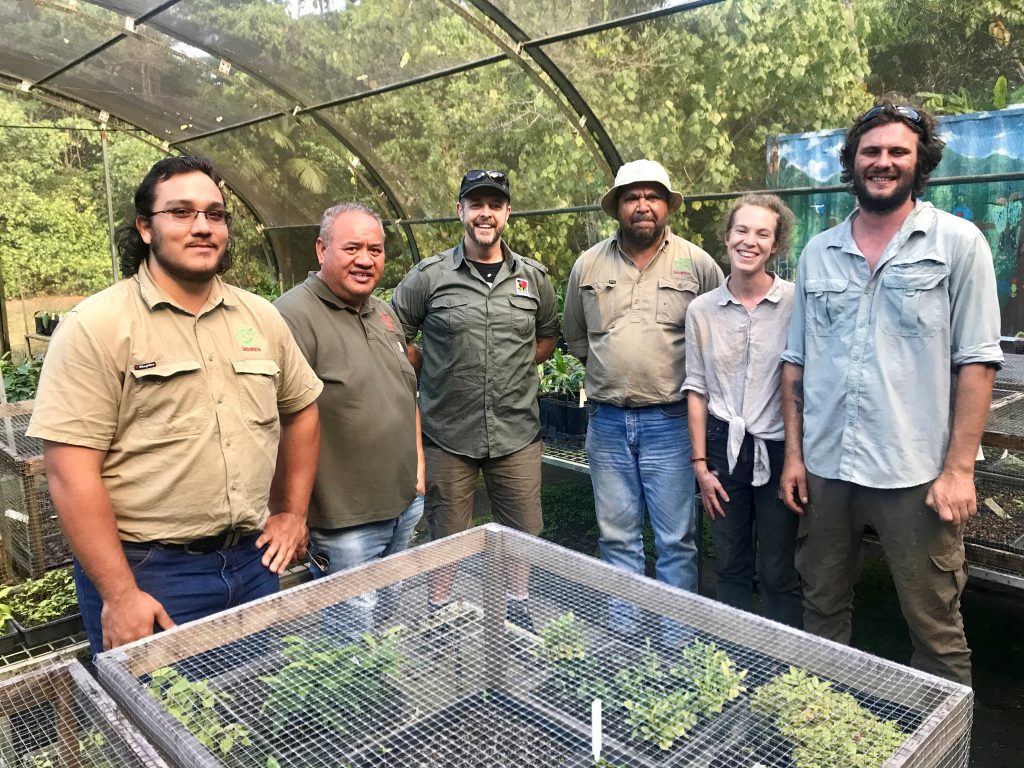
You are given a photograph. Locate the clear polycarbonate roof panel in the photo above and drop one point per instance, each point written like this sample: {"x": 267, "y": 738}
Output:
{"x": 39, "y": 38}
{"x": 426, "y": 137}
{"x": 692, "y": 90}
{"x": 319, "y": 51}
{"x": 541, "y": 18}
{"x": 133, "y": 8}
{"x": 171, "y": 89}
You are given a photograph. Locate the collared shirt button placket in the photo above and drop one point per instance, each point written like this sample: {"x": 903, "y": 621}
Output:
{"x": 856, "y": 378}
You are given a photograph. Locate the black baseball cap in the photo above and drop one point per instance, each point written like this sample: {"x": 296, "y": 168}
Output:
{"x": 477, "y": 179}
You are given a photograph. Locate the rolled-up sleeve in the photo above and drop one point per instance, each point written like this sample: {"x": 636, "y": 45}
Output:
{"x": 794, "y": 351}
{"x": 410, "y": 302}
{"x": 574, "y": 323}
{"x": 974, "y": 306}
{"x": 695, "y": 378}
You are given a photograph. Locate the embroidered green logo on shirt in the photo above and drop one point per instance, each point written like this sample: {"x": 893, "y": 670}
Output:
{"x": 246, "y": 336}
{"x": 682, "y": 265}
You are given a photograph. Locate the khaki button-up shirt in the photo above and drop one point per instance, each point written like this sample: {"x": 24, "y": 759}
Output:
{"x": 185, "y": 407}
{"x": 478, "y": 385}
{"x": 630, "y": 324}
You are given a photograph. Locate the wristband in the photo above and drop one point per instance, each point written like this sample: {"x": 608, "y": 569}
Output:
{"x": 695, "y": 459}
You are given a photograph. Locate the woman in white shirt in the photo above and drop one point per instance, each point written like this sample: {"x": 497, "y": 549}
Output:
{"x": 735, "y": 335}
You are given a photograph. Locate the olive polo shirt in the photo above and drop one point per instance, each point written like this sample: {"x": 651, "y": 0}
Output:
{"x": 478, "y": 384}
{"x": 367, "y": 469}
{"x": 185, "y": 407}
{"x": 630, "y": 324}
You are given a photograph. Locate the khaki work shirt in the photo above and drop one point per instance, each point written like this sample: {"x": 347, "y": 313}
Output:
{"x": 478, "y": 385}
{"x": 185, "y": 407}
{"x": 367, "y": 469}
{"x": 630, "y": 325}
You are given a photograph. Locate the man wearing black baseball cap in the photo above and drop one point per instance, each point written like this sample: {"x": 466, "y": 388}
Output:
{"x": 488, "y": 317}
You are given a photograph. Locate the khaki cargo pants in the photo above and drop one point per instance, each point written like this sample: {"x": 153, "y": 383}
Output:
{"x": 925, "y": 556}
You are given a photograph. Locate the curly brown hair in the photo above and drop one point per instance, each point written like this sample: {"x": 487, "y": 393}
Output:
{"x": 783, "y": 227}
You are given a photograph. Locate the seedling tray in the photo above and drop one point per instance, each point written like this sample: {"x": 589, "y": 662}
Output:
{"x": 40, "y": 634}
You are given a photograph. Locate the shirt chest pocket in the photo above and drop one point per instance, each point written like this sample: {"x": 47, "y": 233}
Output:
{"x": 449, "y": 314}
{"x": 915, "y": 301}
{"x": 674, "y": 296}
{"x": 825, "y": 298}
{"x": 598, "y": 300}
{"x": 524, "y": 315}
{"x": 257, "y": 390}
{"x": 171, "y": 399}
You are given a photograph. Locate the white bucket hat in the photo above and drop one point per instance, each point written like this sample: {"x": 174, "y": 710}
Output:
{"x": 639, "y": 171}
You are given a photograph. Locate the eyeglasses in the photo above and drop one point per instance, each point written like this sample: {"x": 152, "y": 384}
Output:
{"x": 900, "y": 109}
{"x": 476, "y": 175}
{"x": 215, "y": 216}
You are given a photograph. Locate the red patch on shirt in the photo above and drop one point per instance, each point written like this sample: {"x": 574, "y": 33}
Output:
{"x": 388, "y": 322}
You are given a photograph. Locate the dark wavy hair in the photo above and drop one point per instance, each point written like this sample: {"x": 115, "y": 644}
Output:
{"x": 131, "y": 248}
{"x": 783, "y": 227}
{"x": 929, "y": 145}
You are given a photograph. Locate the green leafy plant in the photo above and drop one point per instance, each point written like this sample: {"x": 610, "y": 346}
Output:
{"x": 562, "y": 374}
{"x": 712, "y": 675}
{"x": 656, "y": 712}
{"x": 47, "y": 598}
{"x": 332, "y": 684}
{"x": 21, "y": 380}
{"x": 194, "y": 705}
{"x": 828, "y": 728}
{"x": 564, "y": 648}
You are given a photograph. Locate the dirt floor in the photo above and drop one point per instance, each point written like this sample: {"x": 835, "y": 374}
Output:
{"x": 21, "y": 315}
{"x": 994, "y": 621}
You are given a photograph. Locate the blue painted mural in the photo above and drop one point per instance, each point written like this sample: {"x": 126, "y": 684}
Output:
{"x": 976, "y": 144}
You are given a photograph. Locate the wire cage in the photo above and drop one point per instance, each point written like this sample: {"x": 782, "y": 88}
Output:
{"x": 358, "y": 670}
{"x": 59, "y": 717}
{"x": 32, "y": 538}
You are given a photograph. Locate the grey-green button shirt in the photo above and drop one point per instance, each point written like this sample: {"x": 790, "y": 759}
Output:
{"x": 478, "y": 385}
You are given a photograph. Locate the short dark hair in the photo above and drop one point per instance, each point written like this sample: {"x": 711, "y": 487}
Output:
{"x": 332, "y": 213}
{"x": 888, "y": 110}
{"x": 783, "y": 226}
{"x": 131, "y": 248}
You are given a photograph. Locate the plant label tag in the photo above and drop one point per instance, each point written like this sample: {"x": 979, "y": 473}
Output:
{"x": 595, "y": 729}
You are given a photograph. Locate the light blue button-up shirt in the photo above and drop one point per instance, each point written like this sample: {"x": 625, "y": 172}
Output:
{"x": 880, "y": 350}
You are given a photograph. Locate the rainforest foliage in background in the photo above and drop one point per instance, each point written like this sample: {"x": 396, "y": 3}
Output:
{"x": 700, "y": 91}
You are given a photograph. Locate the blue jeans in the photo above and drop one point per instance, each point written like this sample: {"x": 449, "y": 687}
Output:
{"x": 640, "y": 463}
{"x": 755, "y": 520}
{"x": 344, "y": 548}
{"x": 188, "y": 586}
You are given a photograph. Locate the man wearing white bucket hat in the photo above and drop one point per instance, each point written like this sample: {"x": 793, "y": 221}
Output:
{"x": 625, "y": 313}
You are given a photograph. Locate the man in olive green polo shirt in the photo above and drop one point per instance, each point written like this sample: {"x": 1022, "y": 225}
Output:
{"x": 362, "y": 508}
{"x": 488, "y": 317}
{"x": 625, "y": 314}
{"x": 167, "y": 405}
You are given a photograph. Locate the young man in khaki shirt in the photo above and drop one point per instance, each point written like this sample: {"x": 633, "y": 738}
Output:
{"x": 167, "y": 405}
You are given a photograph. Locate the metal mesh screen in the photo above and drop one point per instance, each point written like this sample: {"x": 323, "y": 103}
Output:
{"x": 59, "y": 717}
{"x": 315, "y": 676}
{"x": 32, "y": 538}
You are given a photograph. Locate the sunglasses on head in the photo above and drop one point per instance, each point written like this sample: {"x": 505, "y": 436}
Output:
{"x": 476, "y": 175}
{"x": 899, "y": 109}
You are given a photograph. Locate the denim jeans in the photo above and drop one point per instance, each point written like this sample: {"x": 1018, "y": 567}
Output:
{"x": 640, "y": 463}
{"x": 188, "y": 586}
{"x": 755, "y": 520}
{"x": 344, "y": 548}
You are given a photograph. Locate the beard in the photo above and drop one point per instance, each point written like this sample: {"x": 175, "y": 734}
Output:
{"x": 882, "y": 203}
{"x": 184, "y": 272}
{"x": 496, "y": 234}
{"x": 644, "y": 237}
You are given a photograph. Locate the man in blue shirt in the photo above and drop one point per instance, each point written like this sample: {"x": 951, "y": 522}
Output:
{"x": 887, "y": 382}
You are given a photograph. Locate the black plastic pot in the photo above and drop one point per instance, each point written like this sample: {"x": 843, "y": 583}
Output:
{"x": 9, "y": 639}
{"x": 40, "y": 634}
{"x": 561, "y": 419}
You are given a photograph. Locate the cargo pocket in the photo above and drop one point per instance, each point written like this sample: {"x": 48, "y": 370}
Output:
{"x": 598, "y": 305}
{"x": 524, "y": 315}
{"x": 674, "y": 296}
{"x": 257, "y": 390}
{"x": 916, "y": 303}
{"x": 951, "y": 579}
{"x": 171, "y": 399}
{"x": 824, "y": 297}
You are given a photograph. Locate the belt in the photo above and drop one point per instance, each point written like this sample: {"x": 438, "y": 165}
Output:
{"x": 225, "y": 540}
